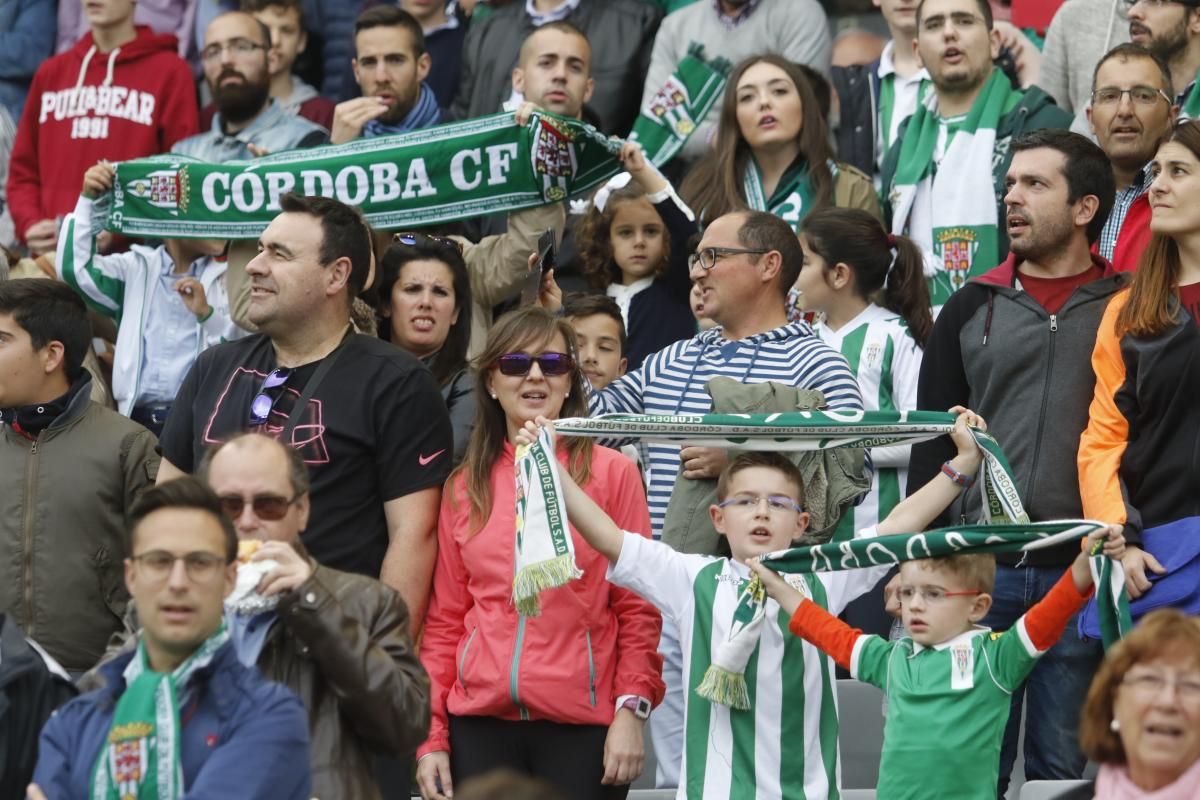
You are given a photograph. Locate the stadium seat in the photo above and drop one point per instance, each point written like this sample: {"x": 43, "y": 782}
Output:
{"x": 860, "y": 719}
{"x": 1048, "y": 790}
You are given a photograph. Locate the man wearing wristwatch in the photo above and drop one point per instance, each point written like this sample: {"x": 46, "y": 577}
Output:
{"x": 1014, "y": 345}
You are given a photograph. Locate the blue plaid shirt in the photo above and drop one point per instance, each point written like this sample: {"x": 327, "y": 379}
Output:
{"x": 1124, "y": 199}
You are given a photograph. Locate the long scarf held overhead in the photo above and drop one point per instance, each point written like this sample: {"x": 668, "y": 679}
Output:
{"x": 793, "y": 197}
{"x": 425, "y": 177}
{"x": 949, "y": 208}
{"x": 675, "y": 110}
{"x": 141, "y": 754}
{"x": 545, "y": 554}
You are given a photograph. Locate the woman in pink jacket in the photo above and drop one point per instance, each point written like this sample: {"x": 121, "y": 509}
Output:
{"x": 562, "y": 695}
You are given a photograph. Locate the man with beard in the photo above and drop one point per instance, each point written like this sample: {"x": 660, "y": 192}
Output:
{"x": 1171, "y": 30}
{"x": 390, "y": 66}
{"x": 943, "y": 178}
{"x": 1014, "y": 344}
{"x": 1131, "y": 113}
{"x": 248, "y": 122}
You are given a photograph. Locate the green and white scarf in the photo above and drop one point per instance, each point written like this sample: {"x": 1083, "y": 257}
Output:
{"x": 545, "y": 554}
{"x": 1190, "y": 108}
{"x": 678, "y": 108}
{"x": 434, "y": 175}
{"x": 792, "y": 199}
{"x": 949, "y": 209}
{"x": 140, "y": 759}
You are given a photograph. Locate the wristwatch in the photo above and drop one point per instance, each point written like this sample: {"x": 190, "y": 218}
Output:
{"x": 640, "y": 706}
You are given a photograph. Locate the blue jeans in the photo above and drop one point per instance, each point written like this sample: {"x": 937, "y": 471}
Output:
{"x": 1055, "y": 689}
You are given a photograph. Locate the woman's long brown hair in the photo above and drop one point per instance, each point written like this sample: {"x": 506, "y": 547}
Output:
{"x": 529, "y": 329}
{"x": 714, "y": 186}
{"x": 1153, "y": 299}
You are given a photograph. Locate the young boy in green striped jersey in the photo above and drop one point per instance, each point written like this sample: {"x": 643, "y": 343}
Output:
{"x": 949, "y": 682}
{"x": 729, "y": 753}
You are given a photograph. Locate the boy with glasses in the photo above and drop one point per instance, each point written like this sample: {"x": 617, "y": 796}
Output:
{"x": 785, "y": 744}
{"x": 179, "y": 710}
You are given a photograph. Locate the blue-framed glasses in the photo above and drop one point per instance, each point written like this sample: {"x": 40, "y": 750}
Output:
{"x": 776, "y": 503}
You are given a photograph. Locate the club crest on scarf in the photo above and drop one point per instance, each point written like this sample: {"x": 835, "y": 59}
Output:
{"x": 669, "y": 105}
{"x": 166, "y": 189}
{"x": 129, "y": 753}
{"x": 553, "y": 158}
{"x": 955, "y": 249}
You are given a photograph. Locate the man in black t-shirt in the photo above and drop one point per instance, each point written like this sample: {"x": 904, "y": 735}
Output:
{"x": 374, "y": 431}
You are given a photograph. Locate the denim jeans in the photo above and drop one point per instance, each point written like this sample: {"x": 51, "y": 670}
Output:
{"x": 1056, "y": 688}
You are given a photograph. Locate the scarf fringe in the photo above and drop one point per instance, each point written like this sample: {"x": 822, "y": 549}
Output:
{"x": 725, "y": 687}
{"x": 534, "y": 579}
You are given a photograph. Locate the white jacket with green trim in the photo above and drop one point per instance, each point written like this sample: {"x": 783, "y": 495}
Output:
{"x": 121, "y": 284}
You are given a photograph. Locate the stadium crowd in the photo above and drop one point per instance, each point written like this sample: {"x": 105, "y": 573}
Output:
{"x": 268, "y": 505}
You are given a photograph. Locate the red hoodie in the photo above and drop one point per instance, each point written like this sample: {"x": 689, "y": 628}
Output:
{"x": 85, "y": 106}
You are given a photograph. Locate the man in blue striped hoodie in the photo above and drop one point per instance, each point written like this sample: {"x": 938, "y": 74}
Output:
{"x": 744, "y": 265}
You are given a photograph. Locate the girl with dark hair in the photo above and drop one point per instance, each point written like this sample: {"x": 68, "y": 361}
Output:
{"x": 868, "y": 289}
{"x": 424, "y": 307}
{"x": 772, "y": 151}
{"x": 634, "y": 246}
{"x": 1138, "y": 456}
{"x": 561, "y": 695}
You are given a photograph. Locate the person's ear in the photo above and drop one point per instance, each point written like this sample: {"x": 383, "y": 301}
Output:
{"x": 1091, "y": 123}
{"x": 302, "y": 41}
{"x": 980, "y": 608}
{"x": 230, "y": 577}
{"x": 338, "y": 276}
{"x": 424, "y": 64}
{"x": 802, "y": 520}
{"x": 717, "y": 515}
{"x": 53, "y": 357}
{"x": 622, "y": 365}
{"x": 994, "y": 42}
{"x": 354, "y": 68}
{"x": 770, "y": 264}
{"x": 842, "y": 275}
{"x": 130, "y": 575}
{"x": 518, "y": 80}
{"x": 588, "y": 88}
{"x": 1085, "y": 210}
{"x": 917, "y": 52}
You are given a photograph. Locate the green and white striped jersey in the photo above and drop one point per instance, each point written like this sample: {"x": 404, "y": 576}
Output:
{"x": 886, "y": 362}
{"x": 730, "y": 754}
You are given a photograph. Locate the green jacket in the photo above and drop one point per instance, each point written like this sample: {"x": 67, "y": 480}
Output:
{"x": 63, "y": 526}
{"x": 1035, "y": 111}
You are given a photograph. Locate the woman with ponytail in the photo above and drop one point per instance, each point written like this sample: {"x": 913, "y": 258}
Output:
{"x": 1139, "y": 459}
{"x": 868, "y": 290}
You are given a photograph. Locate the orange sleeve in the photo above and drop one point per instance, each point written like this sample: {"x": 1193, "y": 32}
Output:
{"x": 828, "y": 633}
{"x": 1048, "y": 618}
{"x": 1104, "y": 440}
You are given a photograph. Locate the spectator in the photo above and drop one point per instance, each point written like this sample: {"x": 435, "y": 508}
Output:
{"x": 425, "y": 302}
{"x": 619, "y": 33}
{"x": 1130, "y": 115}
{"x": 876, "y": 98}
{"x": 174, "y": 17}
{"x": 568, "y": 703}
{"x": 74, "y": 469}
{"x": 32, "y": 685}
{"x": 181, "y": 710}
{"x": 1081, "y": 32}
{"x": 736, "y": 30}
{"x": 1127, "y": 710}
{"x": 121, "y": 92}
{"x": 600, "y": 337}
{"x": 390, "y": 65}
{"x": 172, "y": 300}
{"x": 339, "y": 641}
{"x": 744, "y": 265}
{"x": 289, "y": 39}
{"x": 1172, "y": 32}
{"x": 445, "y": 29}
{"x": 856, "y": 47}
{"x": 1012, "y": 343}
{"x": 367, "y": 418}
{"x": 248, "y": 122}
{"x": 633, "y": 242}
{"x": 27, "y": 33}
{"x": 772, "y": 151}
{"x": 1139, "y": 433}
{"x": 943, "y": 178}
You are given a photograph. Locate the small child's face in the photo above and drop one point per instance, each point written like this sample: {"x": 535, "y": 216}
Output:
{"x": 931, "y": 607}
{"x": 696, "y": 298}
{"x": 760, "y": 526}
{"x": 637, "y": 238}
{"x": 599, "y": 340}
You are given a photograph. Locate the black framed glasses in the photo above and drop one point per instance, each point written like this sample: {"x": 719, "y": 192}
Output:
{"x": 201, "y": 567}
{"x": 268, "y": 395}
{"x": 708, "y": 257}
{"x": 418, "y": 239}
{"x": 235, "y": 47}
{"x": 551, "y": 364}
{"x": 268, "y": 507}
{"x": 1138, "y": 95}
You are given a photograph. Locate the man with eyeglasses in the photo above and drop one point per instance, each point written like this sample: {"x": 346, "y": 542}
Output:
{"x": 1131, "y": 113}
{"x": 249, "y": 122}
{"x": 179, "y": 709}
{"x": 367, "y": 418}
{"x": 744, "y": 265}
{"x": 943, "y": 179}
{"x": 1171, "y": 30}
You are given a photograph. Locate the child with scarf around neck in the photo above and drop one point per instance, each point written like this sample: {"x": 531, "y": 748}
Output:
{"x": 760, "y": 509}
{"x": 949, "y": 681}
{"x": 633, "y": 243}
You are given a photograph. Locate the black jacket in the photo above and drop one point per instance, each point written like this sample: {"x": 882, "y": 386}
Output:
{"x": 857, "y": 88}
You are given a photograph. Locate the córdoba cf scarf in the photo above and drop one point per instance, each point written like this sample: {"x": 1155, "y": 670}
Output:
{"x": 949, "y": 207}
{"x": 545, "y": 555}
{"x": 424, "y": 177}
{"x": 675, "y": 110}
